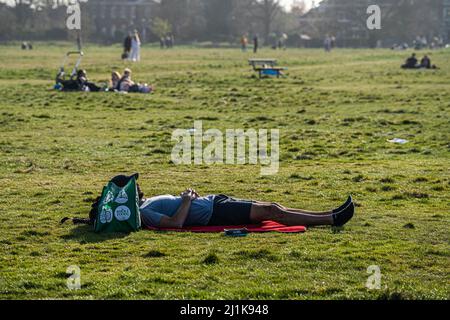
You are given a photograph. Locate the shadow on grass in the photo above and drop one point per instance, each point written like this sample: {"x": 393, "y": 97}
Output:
{"x": 86, "y": 234}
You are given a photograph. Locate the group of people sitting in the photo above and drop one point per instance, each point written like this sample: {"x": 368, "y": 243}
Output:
{"x": 413, "y": 63}
{"x": 118, "y": 83}
{"x": 124, "y": 83}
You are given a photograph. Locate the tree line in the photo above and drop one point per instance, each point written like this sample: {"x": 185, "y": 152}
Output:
{"x": 188, "y": 20}
{"x": 227, "y": 20}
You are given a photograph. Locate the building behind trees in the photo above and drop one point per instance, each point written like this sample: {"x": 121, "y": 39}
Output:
{"x": 401, "y": 20}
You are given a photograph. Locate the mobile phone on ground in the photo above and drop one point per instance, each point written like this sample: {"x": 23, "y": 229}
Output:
{"x": 242, "y": 232}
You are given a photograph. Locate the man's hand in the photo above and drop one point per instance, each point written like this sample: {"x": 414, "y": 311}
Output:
{"x": 189, "y": 194}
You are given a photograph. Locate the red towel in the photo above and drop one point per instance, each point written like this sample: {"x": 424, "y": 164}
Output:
{"x": 266, "y": 226}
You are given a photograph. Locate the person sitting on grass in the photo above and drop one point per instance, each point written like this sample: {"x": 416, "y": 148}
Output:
{"x": 80, "y": 83}
{"x": 115, "y": 78}
{"x": 126, "y": 84}
{"x": 411, "y": 62}
{"x": 425, "y": 63}
{"x": 191, "y": 209}
{"x": 84, "y": 83}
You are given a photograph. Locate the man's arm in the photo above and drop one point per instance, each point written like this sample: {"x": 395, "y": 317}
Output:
{"x": 178, "y": 219}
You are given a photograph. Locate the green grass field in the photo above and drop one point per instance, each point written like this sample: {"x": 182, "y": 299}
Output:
{"x": 335, "y": 113}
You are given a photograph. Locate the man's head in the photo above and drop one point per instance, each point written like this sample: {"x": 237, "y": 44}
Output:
{"x": 122, "y": 180}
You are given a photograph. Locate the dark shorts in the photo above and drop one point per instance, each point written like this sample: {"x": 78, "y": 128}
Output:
{"x": 229, "y": 211}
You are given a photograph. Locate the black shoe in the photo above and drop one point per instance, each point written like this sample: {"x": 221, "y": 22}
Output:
{"x": 345, "y": 205}
{"x": 342, "y": 217}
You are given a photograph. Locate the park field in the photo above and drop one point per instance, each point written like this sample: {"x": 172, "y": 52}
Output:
{"x": 335, "y": 113}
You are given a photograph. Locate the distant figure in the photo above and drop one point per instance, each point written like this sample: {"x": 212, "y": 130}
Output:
{"x": 255, "y": 44}
{"x": 244, "y": 42}
{"x": 168, "y": 41}
{"x": 283, "y": 40}
{"x": 275, "y": 44}
{"x": 411, "y": 62}
{"x": 333, "y": 42}
{"x": 424, "y": 42}
{"x": 425, "y": 63}
{"x": 26, "y": 46}
{"x": 172, "y": 40}
{"x": 126, "y": 47}
{"x": 327, "y": 44}
{"x": 135, "y": 47}
{"x": 162, "y": 42}
{"x": 403, "y": 46}
{"x": 420, "y": 42}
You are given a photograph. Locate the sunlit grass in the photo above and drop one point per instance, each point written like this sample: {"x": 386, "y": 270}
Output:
{"x": 335, "y": 113}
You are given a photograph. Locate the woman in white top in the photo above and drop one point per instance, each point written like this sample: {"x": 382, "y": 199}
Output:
{"x": 135, "y": 47}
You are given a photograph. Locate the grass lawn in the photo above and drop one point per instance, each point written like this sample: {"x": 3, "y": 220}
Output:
{"x": 335, "y": 113}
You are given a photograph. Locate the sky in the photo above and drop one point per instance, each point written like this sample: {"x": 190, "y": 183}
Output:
{"x": 287, "y": 3}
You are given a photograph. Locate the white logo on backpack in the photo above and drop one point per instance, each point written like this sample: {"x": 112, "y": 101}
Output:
{"x": 122, "y": 213}
{"x": 109, "y": 197}
{"x": 122, "y": 197}
{"x": 106, "y": 215}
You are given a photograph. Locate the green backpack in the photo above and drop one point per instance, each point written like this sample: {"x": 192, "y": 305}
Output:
{"x": 118, "y": 209}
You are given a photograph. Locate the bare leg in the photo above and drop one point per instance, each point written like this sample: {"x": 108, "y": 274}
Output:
{"x": 294, "y": 210}
{"x": 262, "y": 212}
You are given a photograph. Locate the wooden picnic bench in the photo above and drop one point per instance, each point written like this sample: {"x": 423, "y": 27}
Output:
{"x": 255, "y": 63}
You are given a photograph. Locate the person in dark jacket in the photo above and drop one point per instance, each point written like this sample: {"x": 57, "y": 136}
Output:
{"x": 411, "y": 62}
{"x": 425, "y": 63}
{"x": 84, "y": 83}
{"x": 127, "y": 47}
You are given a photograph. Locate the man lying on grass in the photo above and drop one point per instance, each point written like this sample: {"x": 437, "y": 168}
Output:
{"x": 190, "y": 209}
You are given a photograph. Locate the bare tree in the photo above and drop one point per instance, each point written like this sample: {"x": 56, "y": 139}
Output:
{"x": 268, "y": 9}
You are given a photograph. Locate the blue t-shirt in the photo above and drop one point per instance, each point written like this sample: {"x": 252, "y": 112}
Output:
{"x": 154, "y": 208}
